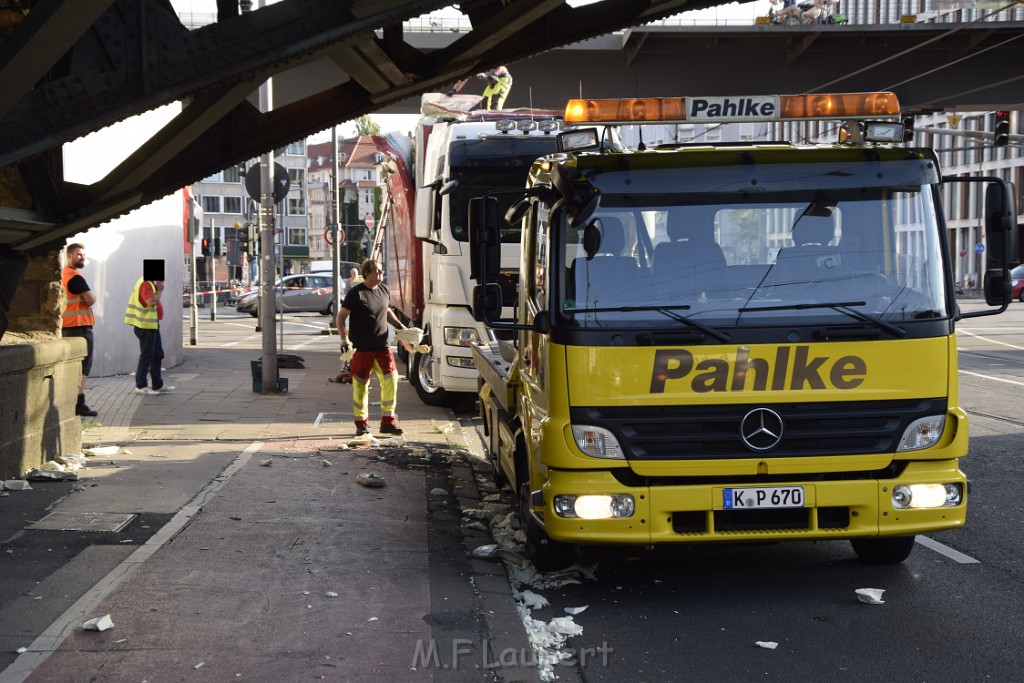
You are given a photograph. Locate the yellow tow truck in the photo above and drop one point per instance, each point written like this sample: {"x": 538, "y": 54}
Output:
{"x": 731, "y": 342}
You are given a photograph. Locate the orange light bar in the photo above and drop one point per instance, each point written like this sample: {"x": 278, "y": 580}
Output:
{"x": 731, "y": 109}
{"x": 849, "y": 105}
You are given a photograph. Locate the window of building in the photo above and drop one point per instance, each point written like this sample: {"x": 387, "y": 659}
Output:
{"x": 297, "y": 206}
{"x": 210, "y": 203}
{"x": 366, "y": 197}
{"x": 296, "y": 237}
{"x": 296, "y": 149}
{"x": 297, "y": 177}
{"x": 214, "y": 177}
{"x": 232, "y": 204}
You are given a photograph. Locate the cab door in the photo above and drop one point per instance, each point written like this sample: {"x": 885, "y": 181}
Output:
{"x": 535, "y": 283}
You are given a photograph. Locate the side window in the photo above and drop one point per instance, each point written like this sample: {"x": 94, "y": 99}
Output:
{"x": 540, "y": 257}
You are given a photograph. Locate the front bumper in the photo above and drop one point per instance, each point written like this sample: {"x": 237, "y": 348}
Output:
{"x": 833, "y": 509}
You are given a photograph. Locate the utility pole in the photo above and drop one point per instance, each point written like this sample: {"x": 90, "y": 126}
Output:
{"x": 336, "y": 231}
{"x": 268, "y": 268}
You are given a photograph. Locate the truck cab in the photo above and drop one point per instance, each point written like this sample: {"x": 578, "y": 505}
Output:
{"x": 456, "y": 160}
{"x": 729, "y": 343}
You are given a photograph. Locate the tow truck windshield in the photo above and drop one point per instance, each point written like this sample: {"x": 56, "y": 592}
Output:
{"x": 760, "y": 252}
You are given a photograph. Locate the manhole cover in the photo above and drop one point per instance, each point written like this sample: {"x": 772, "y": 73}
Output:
{"x": 83, "y": 521}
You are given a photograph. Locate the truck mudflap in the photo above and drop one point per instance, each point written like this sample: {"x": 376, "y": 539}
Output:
{"x": 794, "y": 510}
{"x": 494, "y": 363}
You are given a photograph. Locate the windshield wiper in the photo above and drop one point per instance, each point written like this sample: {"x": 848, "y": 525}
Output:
{"x": 667, "y": 311}
{"x": 841, "y": 306}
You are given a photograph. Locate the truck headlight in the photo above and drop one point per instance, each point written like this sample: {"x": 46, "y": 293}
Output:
{"x": 460, "y": 336}
{"x": 615, "y": 506}
{"x": 920, "y": 496}
{"x": 597, "y": 442}
{"x": 460, "y": 362}
{"x": 922, "y": 433}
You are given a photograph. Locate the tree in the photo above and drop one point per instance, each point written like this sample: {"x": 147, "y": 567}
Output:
{"x": 367, "y": 126}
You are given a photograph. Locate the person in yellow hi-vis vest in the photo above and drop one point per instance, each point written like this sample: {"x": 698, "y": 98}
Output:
{"x": 144, "y": 315}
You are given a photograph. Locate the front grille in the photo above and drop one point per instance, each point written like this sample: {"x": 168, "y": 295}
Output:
{"x": 712, "y": 432}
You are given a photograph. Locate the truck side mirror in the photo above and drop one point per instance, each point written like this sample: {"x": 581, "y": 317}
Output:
{"x": 484, "y": 239}
{"x": 487, "y": 302}
{"x": 1001, "y": 237}
{"x": 999, "y": 222}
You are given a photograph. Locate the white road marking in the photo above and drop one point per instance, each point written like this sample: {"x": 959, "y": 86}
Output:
{"x": 992, "y": 341}
{"x": 994, "y": 379}
{"x": 946, "y": 551}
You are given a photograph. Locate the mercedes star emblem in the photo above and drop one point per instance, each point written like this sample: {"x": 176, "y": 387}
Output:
{"x": 761, "y": 429}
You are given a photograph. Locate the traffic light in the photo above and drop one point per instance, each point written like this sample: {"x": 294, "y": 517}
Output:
{"x": 206, "y": 247}
{"x": 216, "y": 247}
{"x": 242, "y": 237}
{"x": 1001, "y": 137}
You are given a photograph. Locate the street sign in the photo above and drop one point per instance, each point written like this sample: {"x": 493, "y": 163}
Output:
{"x": 281, "y": 182}
{"x": 963, "y": 253}
{"x": 328, "y": 234}
{"x": 979, "y": 248}
{"x": 369, "y": 220}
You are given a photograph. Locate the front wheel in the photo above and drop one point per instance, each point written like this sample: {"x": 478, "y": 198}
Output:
{"x": 892, "y": 550}
{"x": 421, "y": 376}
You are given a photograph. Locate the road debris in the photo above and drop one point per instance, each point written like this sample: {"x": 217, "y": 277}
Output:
{"x": 102, "y": 450}
{"x": 531, "y": 599}
{"x": 766, "y": 644}
{"x": 266, "y": 463}
{"x": 50, "y": 474}
{"x": 870, "y": 596}
{"x": 16, "y": 485}
{"x": 371, "y": 480}
{"x": 99, "y": 623}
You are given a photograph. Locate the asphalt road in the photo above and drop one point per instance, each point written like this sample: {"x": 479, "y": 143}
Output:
{"x": 954, "y": 611}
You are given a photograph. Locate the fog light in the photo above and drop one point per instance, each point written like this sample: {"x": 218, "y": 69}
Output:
{"x": 460, "y": 362}
{"x": 616, "y": 506}
{"x": 920, "y": 496}
{"x": 922, "y": 433}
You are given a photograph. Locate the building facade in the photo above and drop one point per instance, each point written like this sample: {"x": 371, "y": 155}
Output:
{"x": 227, "y": 211}
{"x": 359, "y": 192}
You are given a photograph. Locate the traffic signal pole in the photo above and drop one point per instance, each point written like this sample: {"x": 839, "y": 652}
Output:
{"x": 268, "y": 269}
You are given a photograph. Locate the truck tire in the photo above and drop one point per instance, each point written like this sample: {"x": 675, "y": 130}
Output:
{"x": 419, "y": 376}
{"x": 891, "y": 550}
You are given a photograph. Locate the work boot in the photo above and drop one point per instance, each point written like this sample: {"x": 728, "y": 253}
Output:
{"x": 362, "y": 428}
{"x": 82, "y": 409}
{"x": 391, "y": 428}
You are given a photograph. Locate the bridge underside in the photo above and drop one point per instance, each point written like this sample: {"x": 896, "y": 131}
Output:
{"x": 71, "y": 67}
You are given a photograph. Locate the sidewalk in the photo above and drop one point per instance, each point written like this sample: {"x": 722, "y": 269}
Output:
{"x": 275, "y": 564}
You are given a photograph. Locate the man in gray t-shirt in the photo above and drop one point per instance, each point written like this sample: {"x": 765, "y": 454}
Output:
{"x": 367, "y": 307}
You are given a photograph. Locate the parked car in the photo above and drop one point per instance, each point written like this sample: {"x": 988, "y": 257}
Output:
{"x": 311, "y": 292}
{"x": 1017, "y": 277}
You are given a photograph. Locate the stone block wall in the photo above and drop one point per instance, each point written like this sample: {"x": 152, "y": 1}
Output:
{"x": 38, "y": 390}
{"x": 39, "y": 374}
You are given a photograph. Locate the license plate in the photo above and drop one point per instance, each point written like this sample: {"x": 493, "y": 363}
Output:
{"x": 763, "y": 497}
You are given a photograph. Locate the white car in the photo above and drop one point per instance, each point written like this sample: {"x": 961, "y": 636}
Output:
{"x": 311, "y": 292}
